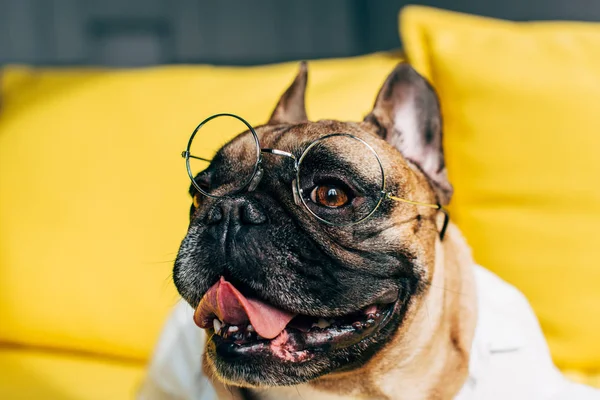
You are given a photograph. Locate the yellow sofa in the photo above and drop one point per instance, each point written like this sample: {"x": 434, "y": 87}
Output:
{"x": 93, "y": 205}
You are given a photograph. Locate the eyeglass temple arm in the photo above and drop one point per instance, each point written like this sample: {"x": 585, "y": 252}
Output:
{"x": 430, "y": 205}
{"x": 416, "y": 203}
{"x": 186, "y": 154}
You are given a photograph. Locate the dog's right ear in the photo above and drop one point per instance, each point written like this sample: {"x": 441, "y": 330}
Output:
{"x": 291, "y": 109}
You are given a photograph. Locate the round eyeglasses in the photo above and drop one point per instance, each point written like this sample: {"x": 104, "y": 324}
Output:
{"x": 339, "y": 178}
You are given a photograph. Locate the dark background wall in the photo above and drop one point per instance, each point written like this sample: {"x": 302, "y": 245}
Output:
{"x": 242, "y": 32}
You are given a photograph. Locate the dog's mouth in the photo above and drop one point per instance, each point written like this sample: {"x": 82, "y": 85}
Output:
{"x": 242, "y": 327}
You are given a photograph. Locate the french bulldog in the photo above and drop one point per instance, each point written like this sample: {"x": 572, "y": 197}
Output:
{"x": 278, "y": 304}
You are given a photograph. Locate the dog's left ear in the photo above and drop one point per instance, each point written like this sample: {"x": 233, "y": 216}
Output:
{"x": 291, "y": 108}
{"x": 407, "y": 115}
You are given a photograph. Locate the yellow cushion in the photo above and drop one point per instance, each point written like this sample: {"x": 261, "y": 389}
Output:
{"x": 520, "y": 104}
{"x": 28, "y": 375}
{"x": 94, "y": 192}
{"x": 591, "y": 378}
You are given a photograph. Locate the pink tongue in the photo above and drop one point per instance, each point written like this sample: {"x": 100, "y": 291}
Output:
{"x": 231, "y": 307}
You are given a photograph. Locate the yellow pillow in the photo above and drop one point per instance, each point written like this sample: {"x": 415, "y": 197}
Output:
{"x": 94, "y": 192}
{"x": 521, "y": 108}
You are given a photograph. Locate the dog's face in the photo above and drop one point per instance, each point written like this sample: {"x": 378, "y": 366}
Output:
{"x": 322, "y": 298}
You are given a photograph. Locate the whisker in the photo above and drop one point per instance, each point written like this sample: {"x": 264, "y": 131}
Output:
{"x": 169, "y": 261}
{"x": 444, "y": 288}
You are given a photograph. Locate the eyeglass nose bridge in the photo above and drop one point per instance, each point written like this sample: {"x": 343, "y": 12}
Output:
{"x": 259, "y": 170}
{"x": 295, "y": 190}
{"x": 282, "y": 153}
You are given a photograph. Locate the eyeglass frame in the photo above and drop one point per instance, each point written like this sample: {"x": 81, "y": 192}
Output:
{"x": 297, "y": 192}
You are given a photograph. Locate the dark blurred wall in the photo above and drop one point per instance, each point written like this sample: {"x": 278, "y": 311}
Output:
{"x": 146, "y": 32}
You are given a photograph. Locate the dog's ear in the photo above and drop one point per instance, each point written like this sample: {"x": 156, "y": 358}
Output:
{"x": 291, "y": 109}
{"x": 407, "y": 115}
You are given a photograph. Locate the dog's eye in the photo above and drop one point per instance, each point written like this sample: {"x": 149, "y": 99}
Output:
{"x": 197, "y": 199}
{"x": 203, "y": 181}
{"x": 329, "y": 195}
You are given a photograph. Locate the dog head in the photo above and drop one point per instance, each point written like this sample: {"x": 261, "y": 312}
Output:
{"x": 285, "y": 297}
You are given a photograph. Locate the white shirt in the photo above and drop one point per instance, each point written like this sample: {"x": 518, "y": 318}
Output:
{"x": 510, "y": 359}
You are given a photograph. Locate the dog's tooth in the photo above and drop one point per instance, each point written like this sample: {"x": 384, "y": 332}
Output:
{"x": 357, "y": 325}
{"x": 371, "y": 309}
{"x": 322, "y": 323}
{"x": 233, "y": 328}
{"x": 217, "y": 325}
{"x": 250, "y": 328}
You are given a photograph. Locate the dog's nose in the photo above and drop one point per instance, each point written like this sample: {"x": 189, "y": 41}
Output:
{"x": 237, "y": 210}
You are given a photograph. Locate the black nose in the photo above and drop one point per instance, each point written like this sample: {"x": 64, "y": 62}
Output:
{"x": 235, "y": 212}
